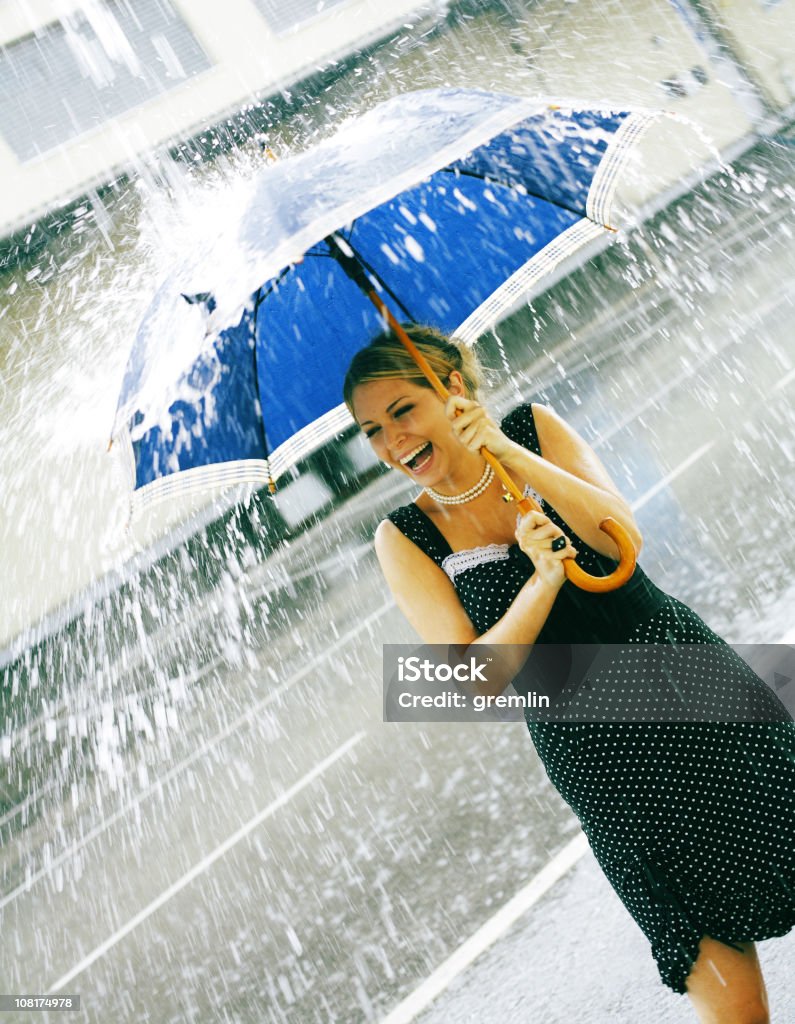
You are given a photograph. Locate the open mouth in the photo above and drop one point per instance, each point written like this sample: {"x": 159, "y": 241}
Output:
{"x": 420, "y": 459}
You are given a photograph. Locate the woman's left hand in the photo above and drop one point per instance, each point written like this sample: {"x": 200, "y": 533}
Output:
{"x": 474, "y": 428}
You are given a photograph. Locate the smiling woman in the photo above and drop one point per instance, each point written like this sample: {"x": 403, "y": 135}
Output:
{"x": 692, "y": 821}
{"x": 399, "y": 434}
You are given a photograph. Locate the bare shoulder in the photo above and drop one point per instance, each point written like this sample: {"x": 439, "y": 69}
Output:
{"x": 422, "y": 590}
{"x": 386, "y": 534}
{"x": 561, "y": 445}
{"x": 548, "y": 424}
{"x": 391, "y": 544}
{"x": 398, "y": 554}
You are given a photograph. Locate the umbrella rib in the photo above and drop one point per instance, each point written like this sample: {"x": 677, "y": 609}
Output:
{"x": 459, "y": 171}
{"x": 335, "y": 254}
{"x": 260, "y": 297}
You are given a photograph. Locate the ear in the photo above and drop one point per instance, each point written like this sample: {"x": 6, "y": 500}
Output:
{"x": 455, "y": 384}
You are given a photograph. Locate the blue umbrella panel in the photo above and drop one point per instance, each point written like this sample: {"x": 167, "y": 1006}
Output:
{"x": 454, "y": 248}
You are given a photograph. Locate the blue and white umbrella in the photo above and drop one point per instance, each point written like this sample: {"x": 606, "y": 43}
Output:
{"x": 454, "y": 202}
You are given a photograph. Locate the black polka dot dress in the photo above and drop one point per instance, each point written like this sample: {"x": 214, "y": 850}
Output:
{"x": 692, "y": 822}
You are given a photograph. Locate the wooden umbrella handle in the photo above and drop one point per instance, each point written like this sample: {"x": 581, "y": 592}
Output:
{"x": 610, "y": 526}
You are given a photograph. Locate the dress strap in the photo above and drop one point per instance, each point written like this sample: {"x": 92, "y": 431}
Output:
{"x": 519, "y": 426}
{"x": 419, "y": 528}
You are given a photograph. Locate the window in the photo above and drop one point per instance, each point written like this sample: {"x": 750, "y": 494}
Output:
{"x": 76, "y": 73}
{"x": 282, "y": 15}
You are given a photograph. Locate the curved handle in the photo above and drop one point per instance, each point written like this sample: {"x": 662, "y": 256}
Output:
{"x": 627, "y": 557}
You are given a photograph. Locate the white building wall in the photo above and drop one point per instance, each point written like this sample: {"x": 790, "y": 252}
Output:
{"x": 247, "y": 57}
{"x": 761, "y": 33}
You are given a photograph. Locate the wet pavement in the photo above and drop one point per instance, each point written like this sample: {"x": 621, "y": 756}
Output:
{"x": 608, "y": 975}
{"x": 224, "y": 828}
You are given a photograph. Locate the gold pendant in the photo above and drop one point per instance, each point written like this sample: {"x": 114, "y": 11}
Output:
{"x": 507, "y": 497}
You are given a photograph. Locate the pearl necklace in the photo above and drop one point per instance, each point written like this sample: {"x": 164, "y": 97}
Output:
{"x": 465, "y": 496}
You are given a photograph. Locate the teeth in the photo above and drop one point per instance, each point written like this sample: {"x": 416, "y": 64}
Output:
{"x": 411, "y": 455}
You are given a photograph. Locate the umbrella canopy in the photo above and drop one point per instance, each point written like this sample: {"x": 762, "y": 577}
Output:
{"x": 454, "y": 202}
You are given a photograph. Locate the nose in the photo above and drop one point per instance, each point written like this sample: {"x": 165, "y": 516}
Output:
{"x": 395, "y": 437}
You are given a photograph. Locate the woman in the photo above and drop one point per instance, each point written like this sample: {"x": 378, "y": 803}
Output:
{"x": 693, "y": 824}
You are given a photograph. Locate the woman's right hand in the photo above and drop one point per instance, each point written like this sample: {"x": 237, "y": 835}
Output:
{"x": 535, "y": 533}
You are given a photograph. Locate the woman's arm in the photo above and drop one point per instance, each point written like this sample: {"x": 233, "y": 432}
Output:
{"x": 422, "y": 590}
{"x": 568, "y": 474}
{"x": 571, "y": 477}
{"x": 428, "y": 599}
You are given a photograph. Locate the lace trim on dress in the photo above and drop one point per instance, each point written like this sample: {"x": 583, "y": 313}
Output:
{"x": 460, "y": 561}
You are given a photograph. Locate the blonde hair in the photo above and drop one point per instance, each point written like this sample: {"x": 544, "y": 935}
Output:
{"x": 385, "y": 356}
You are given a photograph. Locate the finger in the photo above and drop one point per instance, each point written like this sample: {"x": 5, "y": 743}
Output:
{"x": 467, "y": 418}
{"x": 538, "y": 524}
{"x": 464, "y": 431}
{"x": 568, "y": 552}
{"x": 456, "y": 404}
{"x": 543, "y": 549}
{"x": 472, "y": 436}
{"x": 533, "y": 515}
{"x": 543, "y": 555}
{"x": 546, "y": 554}
{"x": 542, "y": 532}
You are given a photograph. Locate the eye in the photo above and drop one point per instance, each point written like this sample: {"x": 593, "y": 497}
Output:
{"x": 402, "y": 411}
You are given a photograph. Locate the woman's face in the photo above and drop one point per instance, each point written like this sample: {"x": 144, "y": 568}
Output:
{"x": 407, "y": 426}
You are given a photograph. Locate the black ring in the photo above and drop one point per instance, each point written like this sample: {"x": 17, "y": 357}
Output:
{"x": 559, "y": 543}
